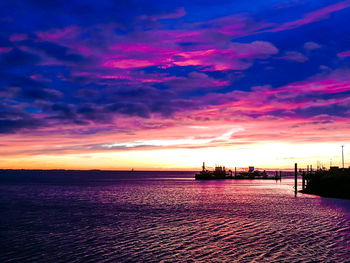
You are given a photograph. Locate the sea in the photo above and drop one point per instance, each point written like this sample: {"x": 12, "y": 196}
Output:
{"x": 166, "y": 217}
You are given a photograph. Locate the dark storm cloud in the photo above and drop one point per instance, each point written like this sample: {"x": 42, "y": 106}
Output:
{"x": 41, "y": 94}
{"x": 40, "y": 14}
{"x": 11, "y": 126}
{"x": 14, "y": 119}
{"x": 59, "y": 52}
{"x": 137, "y": 109}
{"x": 17, "y": 57}
{"x": 14, "y": 86}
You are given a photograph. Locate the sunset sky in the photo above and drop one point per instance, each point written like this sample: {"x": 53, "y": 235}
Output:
{"x": 169, "y": 84}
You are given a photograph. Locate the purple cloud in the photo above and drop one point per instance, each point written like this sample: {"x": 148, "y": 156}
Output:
{"x": 294, "y": 56}
{"x": 311, "y": 46}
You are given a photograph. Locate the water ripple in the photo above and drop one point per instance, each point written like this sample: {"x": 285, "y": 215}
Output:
{"x": 170, "y": 221}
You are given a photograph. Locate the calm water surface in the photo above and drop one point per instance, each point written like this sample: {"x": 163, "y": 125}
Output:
{"x": 153, "y": 216}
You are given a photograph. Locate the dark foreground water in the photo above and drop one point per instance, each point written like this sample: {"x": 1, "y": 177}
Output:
{"x": 169, "y": 217}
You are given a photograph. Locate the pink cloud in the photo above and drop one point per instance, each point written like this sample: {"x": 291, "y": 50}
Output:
{"x": 212, "y": 50}
{"x": 344, "y": 54}
{"x": 18, "y": 37}
{"x": 312, "y": 16}
{"x": 67, "y": 33}
{"x": 129, "y": 63}
{"x": 234, "y": 56}
{"x": 288, "y": 98}
{"x": 232, "y": 26}
{"x": 40, "y": 77}
{"x": 238, "y": 56}
{"x": 5, "y": 49}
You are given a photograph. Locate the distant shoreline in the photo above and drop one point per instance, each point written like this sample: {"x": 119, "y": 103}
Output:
{"x": 91, "y": 170}
{"x": 131, "y": 171}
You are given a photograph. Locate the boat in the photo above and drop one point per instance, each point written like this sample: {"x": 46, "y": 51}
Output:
{"x": 252, "y": 174}
{"x": 220, "y": 172}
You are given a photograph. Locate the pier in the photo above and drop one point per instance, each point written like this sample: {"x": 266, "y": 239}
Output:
{"x": 334, "y": 182}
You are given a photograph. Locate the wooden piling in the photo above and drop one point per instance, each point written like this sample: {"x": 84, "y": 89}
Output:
{"x": 296, "y": 178}
{"x": 303, "y": 176}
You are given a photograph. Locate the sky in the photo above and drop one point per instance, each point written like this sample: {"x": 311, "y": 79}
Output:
{"x": 169, "y": 84}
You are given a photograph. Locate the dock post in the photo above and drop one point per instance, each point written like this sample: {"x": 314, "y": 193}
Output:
{"x": 303, "y": 176}
{"x": 280, "y": 175}
{"x": 235, "y": 171}
{"x": 296, "y": 178}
